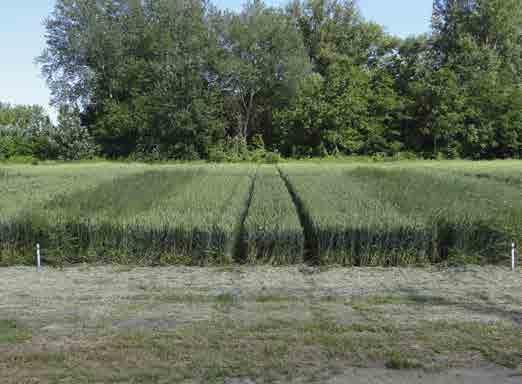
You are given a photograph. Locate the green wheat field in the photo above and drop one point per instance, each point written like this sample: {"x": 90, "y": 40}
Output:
{"x": 345, "y": 213}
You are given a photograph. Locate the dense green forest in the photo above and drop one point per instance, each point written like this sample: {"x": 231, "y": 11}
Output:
{"x": 182, "y": 79}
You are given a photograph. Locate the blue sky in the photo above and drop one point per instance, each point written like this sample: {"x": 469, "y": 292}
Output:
{"x": 21, "y": 38}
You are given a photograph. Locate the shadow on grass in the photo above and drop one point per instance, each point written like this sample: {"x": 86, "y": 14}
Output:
{"x": 488, "y": 308}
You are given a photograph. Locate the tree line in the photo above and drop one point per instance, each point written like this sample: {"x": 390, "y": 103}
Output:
{"x": 27, "y": 133}
{"x": 182, "y": 79}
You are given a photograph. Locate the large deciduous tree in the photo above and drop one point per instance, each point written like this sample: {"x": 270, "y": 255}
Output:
{"x": 348, "y": 105}
{"x": 139, "y": 72}
{"x": 477, "y": 51}
{"x": 263, "y": 58}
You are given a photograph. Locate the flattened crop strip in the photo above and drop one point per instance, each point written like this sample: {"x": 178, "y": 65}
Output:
{"x": 240, "y": 253}
{"x": 310, "y": 243}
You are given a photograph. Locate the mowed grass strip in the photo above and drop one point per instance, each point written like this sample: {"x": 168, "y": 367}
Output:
{"x": 272, "y": 232}
{"x": 273, "y": 351}
{"x": 11, "y": 332}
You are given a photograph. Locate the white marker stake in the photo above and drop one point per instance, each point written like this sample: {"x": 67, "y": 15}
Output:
{"x": 513, "y": 255}
{"x": 38, "y": 261}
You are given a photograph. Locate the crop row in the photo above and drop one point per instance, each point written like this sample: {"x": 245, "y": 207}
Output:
{"x": 350, "y": 214}
{"x": 370, "y": 215}
{"x": 165, "y": 215}
{"x": 272, "y": 232}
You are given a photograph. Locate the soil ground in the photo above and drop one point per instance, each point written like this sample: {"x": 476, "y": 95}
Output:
{"x": 242, "y": 325}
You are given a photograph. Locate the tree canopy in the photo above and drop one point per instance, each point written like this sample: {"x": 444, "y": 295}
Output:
{"x": 180, "y": 78}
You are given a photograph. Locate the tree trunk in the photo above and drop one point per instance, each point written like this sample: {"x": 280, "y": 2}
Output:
{"x": 248, "y": 114}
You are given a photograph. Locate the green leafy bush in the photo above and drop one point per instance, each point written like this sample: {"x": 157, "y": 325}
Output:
{"x": 69, "y": 140}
